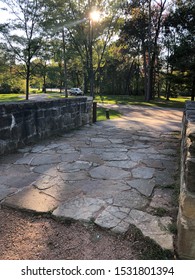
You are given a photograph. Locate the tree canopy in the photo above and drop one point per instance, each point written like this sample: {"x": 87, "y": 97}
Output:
{"x": 140, "y": 47}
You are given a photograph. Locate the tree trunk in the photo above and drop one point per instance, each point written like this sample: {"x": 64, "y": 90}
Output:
{"x": 65, "y": 65}
{"x": 85, "y": 79}
{"x": 27, "y": 79}
{"x": 44, "y": 78}
{"x": 145, "y": 70}
{"x": 91, "y": 73}
{"x": 167, "y": 82}
{"x": 193, "y": 89}
{"x": 149, "y": 70}
{"x": 152, "y": 59}
{"x": 44, "y": 83}
{"x": 168, "y": 86}
{"x": 152, "y": 80}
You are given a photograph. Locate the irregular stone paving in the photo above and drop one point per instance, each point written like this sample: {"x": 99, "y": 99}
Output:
{"x": 115, "y": 173}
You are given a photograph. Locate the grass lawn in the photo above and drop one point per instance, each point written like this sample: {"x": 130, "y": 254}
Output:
{"x": 11, "y": 97}
{"x": 139, "y": 100}
{"x": 109, "y": 99}
{"x": 101, "y": 114}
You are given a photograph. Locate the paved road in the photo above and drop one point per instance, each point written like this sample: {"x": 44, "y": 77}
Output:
{"x": 116, "y": 173}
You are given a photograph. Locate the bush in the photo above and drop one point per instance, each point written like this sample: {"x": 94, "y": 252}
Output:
{"x": 16, "y": 90}
{"x": 5, "y": 88}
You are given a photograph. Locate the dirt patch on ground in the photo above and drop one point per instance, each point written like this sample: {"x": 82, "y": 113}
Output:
{"x": 24, "y": 236}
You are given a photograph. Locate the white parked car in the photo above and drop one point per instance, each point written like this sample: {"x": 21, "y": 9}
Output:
{"x": 75, "y": 91}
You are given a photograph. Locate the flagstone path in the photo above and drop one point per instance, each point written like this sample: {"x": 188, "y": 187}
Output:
{"x": 115, "y": 173}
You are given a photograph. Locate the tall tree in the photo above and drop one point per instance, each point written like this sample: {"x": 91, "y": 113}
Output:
{"x": 181, "y": 23}
{"x": 74, "y": 17}
{"x": 144, "y": 20}
{"x": 22, "y": 32}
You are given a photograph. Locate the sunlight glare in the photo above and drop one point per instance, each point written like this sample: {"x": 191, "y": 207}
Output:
{"x": 95, "y": 15}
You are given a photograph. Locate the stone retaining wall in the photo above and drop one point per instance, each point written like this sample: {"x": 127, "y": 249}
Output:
{"x": 30, "y": 121}
{"x": 186, "y": 217}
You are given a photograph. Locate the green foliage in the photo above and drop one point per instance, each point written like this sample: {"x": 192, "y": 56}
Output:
{"x": 101, "y": 114}
{"x": 120, "y": 63}
{"x": 5, "y": 88}
{"x": 10, "y": 80}
{"x": 82, "y": 34}
{"x": 22, "y": 33}
{"x": 180, "y": 24}
{"x": 173, "y": 228}
{"x": 140, "y": 34}
{"x": 160, "y": 212}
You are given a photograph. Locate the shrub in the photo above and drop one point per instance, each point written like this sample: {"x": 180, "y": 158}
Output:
{"x": 5, "y": 88}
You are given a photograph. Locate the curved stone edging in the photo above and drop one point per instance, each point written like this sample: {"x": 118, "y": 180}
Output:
{"x": 186, "y": 216}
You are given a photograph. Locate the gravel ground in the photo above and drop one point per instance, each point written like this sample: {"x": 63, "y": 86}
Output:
{"x": 24, "y": 236}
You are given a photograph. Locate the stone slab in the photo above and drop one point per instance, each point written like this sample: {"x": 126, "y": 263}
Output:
{"x": 101, "y": 188}
{"x": 26, "y": 159}
{"x": 18, "y": 181}
{"x": 47, "y": 169}
{"x": 100, "y": 142}
{"x": 79, "y": 208}
{"x": 45, "y": 159}
{"x": 74, "y": 176}
{"x": 112, "y": 216}
{"x": 91, "y": 158}
{"x": 164, "y": 178}
{"x": 38, "y": 148}
{"x": 128, "y": 164}
{"x": 6, "y": 191}
{"x": 130, "y": 199}
{"x": 75, "y": 166}
{"x": 143, "y": 172}
{"x": 114, "y": 156}
{"x": 63, "y": 191}
{"x": 46, "y": 182}
{"x": 105, "y": 172}
{"x": 154, "y": 163}
{"x": 137, "y": 157}
{"x": 122, "y": 227}
{"x": 31, "y": 199}
{"x": 70, "y": 157}
{"x": 155, "y": 228}
{"x": 143, "y": 186}
{"x": 163, "y": 198}
{"x": 116, "y": 141}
